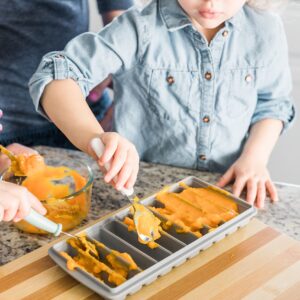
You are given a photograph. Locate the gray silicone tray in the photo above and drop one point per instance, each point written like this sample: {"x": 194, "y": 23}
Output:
{"x": 174, "y": 248}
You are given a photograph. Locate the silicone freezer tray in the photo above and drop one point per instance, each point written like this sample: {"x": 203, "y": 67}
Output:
{"x": 174, "y": 248}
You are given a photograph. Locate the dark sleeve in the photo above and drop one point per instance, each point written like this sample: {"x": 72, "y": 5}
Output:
{"x": 109, "y": 5}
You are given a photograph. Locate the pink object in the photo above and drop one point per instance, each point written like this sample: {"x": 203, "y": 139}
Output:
{"x": 1, "y": 113}
{"x": 1, "y": 127}
{"x": 93, "y": 96}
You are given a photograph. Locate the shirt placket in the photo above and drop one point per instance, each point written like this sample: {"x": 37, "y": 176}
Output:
{"x": 207, "y": 92}
{"x": 207, "y": 71}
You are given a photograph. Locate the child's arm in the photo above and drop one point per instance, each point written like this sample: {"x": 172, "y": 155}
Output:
{"x": 250, "y": 170}
{"x": 75, "y": 119}
{"x": 274, "y": 113}
{"x": 63, "y": 80}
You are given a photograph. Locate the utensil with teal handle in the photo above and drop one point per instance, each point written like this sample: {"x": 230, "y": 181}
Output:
{"x": 43, "y": 223}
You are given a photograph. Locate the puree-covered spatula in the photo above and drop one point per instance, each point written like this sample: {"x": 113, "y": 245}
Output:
{"x": 139, "y": 211}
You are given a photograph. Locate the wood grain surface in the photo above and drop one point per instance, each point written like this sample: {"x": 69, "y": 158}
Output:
{"x": 257, "y": 262}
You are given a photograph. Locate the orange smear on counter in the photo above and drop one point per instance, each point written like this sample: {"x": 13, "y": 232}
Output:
{"x": 196, "y": 208}
{"x": 88, "y": 259}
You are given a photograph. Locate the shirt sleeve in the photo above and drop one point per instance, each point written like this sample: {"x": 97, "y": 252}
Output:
{"x": 275, "y": 84}
{"x": 90, "y": 57}
{"x": 109, "y": 5}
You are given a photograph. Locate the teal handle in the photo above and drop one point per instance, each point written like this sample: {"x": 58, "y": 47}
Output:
{"x": 43, "y": 223}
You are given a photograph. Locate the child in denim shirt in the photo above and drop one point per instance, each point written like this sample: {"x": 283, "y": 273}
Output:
{"x": 198, "y": 84}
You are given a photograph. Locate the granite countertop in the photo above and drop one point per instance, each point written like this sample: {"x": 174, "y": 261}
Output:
{"x": 13, "y": 243}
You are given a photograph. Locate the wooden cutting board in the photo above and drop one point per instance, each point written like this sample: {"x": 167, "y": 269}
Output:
{"x": 257, "y": 262}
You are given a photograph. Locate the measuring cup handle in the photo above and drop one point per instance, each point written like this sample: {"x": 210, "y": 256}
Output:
{"x": 98, "y": 148}
{"x": 43, "y": 223}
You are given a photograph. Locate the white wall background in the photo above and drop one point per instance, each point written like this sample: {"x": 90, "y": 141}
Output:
{"x": 285, "y": 161}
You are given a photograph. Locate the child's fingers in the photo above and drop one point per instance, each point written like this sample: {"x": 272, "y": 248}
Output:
{"x": 117, "y": 163}
{"x": 238, "y": 186}
{"x": 134, "y": 161}
{"x": 17, "y": 218}
{"x": 272, "y": 190}
{"x": 1, "y": 213}
{"x": 23, "y": 210}
{"x": 124, "y": 175}
{"x": 111, "y": 146}
{"x": 132, "y": 179}
{"x": 11, "y": 211}
{"x": 226, "y": 178}
{"x": 36, "y": 204}
{"x": 251, "y": 191}
{"x": 261, "y": 194}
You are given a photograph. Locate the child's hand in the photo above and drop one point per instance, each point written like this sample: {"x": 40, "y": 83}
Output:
{"x": 123, "y": 159}
{"x": 253, "y": 175}
{"x": 16, "y": 201}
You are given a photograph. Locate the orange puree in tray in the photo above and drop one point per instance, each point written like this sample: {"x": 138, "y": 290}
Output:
{"x": 195, "y": 208}
{"x": 51, "y": 185}
{"x": 192, "y": 210}
{"x": 110, "y": 264}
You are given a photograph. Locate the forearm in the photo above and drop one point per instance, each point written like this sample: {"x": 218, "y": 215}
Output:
{"x": 262, "y": 139}
{"x": 65, "y": 105}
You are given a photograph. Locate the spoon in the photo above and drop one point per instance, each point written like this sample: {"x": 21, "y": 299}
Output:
{"x": 15, "y": 166}
{"x": 43, "y": 223}
{"x": 138, "y": 214}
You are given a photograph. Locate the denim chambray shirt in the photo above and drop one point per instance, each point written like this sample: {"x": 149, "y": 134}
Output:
{"x": 179, "y": 100}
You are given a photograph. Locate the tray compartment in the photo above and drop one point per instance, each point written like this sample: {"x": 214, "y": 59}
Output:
{"x": 166, "y": 242}
{"x": 118, "y": 230}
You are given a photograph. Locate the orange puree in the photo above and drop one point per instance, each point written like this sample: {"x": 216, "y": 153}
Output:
{"x": 196, "y": 208}
{"x": 131, "y": 227}
{"x": 51, "y": 185}
{"x": 25, "y": 165}
{"x": 147, "y": 223}
{"x": 115, "y": 265}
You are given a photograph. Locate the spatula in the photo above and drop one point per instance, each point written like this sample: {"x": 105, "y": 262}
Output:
{"x": 138, "y": 214}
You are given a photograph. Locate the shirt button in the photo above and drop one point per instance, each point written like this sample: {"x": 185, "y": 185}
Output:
{"x": 1, "y": 113}
{"x": 1, "y": 127}
{"x": 225, "y": 33}
{"x": 208, "y": 76}
{"x": 248, "y": 78}
{"x": 206, "y": 119}
{"x": 202, "y": 157}
{"x": 170, "y": 80}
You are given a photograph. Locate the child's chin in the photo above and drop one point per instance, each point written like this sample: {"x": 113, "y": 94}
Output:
{"x": 210, "y": 23}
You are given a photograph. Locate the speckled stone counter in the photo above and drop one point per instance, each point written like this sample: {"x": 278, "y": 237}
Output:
{"x": 13, "y": 243}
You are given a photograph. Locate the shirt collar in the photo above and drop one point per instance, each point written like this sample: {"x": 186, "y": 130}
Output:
{"x": 237, "y": 20}
{"x": 173, "y": 15}
{"x": 175, "y": 18}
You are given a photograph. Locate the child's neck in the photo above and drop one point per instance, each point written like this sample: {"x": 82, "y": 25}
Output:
{"x": 208, "y": 33}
